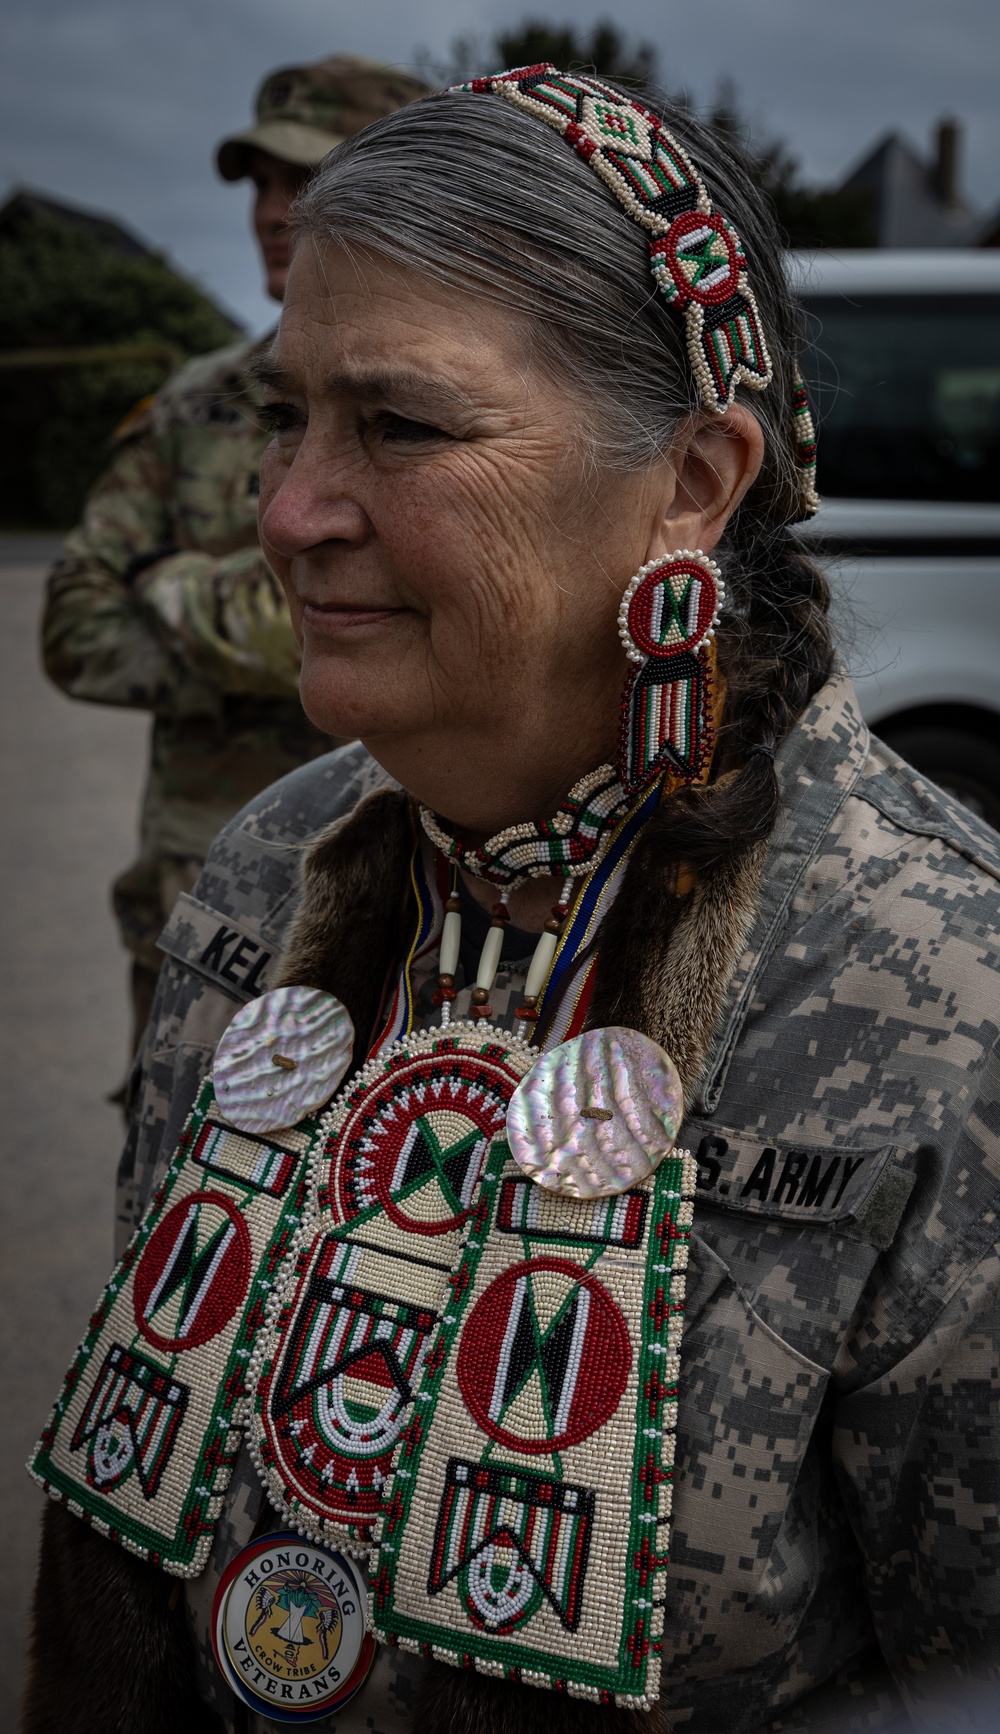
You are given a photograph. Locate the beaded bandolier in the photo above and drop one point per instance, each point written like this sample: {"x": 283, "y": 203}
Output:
{"x": 441, "y": 1329}
{"x": 444, "y": 1305}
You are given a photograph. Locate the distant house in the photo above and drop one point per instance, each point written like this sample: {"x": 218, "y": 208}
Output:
{"x": 917, "y": 201}
{"x": 25, "y": 207}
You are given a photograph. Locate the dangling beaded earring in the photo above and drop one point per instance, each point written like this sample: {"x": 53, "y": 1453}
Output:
{"x": 667, "y": 623}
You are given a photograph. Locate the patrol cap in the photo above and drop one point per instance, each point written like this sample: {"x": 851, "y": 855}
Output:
{"x": 304, "y": 111}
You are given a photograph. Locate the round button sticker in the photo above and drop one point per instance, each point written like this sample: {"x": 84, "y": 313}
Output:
{"x": 288, "y": 1628}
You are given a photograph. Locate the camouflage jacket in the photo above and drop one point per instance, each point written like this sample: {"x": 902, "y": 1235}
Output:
{"x": 162, "y": 601}
{"x": 836, "y": 1545}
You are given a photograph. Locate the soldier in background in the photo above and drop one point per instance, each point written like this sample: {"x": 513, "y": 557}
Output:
{"x": 161, "y": 600}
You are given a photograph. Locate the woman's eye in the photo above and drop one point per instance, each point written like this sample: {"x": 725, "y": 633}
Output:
{"x": 277, "y": 418}
{"x": 399, "y": 429}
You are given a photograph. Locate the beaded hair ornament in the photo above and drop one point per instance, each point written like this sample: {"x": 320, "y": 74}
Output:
{"x": 695, "y": 254}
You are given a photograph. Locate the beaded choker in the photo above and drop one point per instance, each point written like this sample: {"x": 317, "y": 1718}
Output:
{"x": 567, "y": 845}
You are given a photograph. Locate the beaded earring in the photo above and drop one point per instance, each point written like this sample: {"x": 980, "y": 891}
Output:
{"x": 667, "y": 623}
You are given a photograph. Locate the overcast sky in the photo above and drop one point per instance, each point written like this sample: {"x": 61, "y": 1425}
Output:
{"x": 117, "y": 104}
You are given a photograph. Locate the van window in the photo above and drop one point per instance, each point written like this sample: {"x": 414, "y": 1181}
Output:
{"x": 907, "y": 394}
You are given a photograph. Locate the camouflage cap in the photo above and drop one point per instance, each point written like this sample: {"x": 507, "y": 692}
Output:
{"x": 304, "y": 111}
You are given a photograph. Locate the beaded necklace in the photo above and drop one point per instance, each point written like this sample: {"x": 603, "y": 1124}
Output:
{"x": 585, "y": 844}
{"x": 570, "y": 844}
{"x": 489, "y": 958}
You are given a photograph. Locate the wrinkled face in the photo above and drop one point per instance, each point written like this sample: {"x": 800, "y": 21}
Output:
{"x": 276, "y": 186}
{"x": 452, "y": 569}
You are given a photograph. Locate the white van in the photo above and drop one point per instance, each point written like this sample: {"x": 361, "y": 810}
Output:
{"x": 904, "y": 374}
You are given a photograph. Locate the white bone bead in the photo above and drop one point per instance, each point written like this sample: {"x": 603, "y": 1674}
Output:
{"x": 490, "y": 958}
{"x": 540, "y": 964}
{"x": 451, "y": 940}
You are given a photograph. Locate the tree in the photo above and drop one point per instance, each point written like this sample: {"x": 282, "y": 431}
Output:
{"x": 62, "y": 285}
{"x": 604, "y": 51}
{"x": 807, "y": 216}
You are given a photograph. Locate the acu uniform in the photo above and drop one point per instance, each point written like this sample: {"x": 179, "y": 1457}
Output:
{"x": 162, "y": 601}
{"x": 835, "y": 1559}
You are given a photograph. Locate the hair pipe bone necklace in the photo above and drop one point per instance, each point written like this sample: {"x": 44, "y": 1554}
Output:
{"x": 489, "y": 959}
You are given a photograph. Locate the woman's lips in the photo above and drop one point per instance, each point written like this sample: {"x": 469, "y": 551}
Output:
{"x": 336, "y": 620}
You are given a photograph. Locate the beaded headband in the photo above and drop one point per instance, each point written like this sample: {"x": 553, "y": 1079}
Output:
{"x": 695, "y": 255}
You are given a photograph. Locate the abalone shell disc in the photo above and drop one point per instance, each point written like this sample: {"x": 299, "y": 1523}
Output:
{"x": 596, "y": 1114}
{"x": 281, "y": 1058}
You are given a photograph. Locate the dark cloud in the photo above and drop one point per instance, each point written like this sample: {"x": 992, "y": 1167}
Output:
{"x": 119, "y": 103}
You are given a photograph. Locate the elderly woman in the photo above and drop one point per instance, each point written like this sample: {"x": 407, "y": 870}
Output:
{"x": 617, "y": 982}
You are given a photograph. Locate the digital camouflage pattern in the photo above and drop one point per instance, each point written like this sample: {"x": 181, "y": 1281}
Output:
{"x": 836, "y": 1551}
{"x": 162, "y": 601}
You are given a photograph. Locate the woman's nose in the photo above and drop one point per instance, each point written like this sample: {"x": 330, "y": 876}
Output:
{"x": 311, "y": 506}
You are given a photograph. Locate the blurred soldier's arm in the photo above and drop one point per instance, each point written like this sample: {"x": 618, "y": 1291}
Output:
{"x": 224, "y": 621}
{"x": 95, "y": 642}
{"x": 136, "y": 617}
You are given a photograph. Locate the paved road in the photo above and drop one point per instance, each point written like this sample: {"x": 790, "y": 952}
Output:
{"x": 69, "y": 781}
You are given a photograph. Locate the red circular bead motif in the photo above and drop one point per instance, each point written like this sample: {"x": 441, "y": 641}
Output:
{"x": 691, "y": 257}
{"x": 673, "y": 608}
{"x": 193, "y": 1274}
{"x": 544, "y": 1357}
{"x": 415, "y": 1140}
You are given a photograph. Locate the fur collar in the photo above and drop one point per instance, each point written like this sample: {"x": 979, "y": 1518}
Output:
{"x": 350, "y": 929}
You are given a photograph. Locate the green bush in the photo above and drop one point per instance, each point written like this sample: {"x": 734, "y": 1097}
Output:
{"x": 64, "y": 286}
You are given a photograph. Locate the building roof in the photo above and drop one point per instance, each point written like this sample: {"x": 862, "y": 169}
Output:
{"x": 25, "y": 205}
{"x": 916, "y": 201}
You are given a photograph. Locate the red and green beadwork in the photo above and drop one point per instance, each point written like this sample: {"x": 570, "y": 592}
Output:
{"x": 363, "y": 1292}
{"x": 696, "y": 256}
{"x": 667, "y": 618}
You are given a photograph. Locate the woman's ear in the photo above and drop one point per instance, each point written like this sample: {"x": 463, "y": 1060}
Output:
{"x": 714, "y": 459}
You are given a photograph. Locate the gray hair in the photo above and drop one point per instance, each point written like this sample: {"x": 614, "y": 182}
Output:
{"x": 474, "y": 193}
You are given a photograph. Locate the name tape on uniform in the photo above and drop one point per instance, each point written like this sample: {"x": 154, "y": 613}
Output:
{"x": 232, "y": 956}
{"x": 782, "y": 1178}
